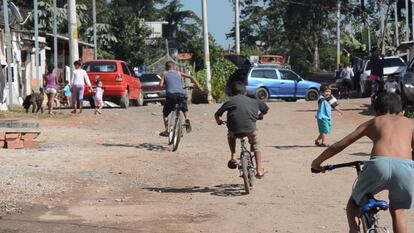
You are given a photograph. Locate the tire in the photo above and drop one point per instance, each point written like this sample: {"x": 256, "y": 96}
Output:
{"x": 178, "y": 132}
{"x": 140, "y": 100}
{"x": 171, "y": 131}
{"x": 245, "y": 174}
{"x": 262, "y": 94}
{"x": 379, "y": 230}
{"x": 124, "y": 102}
{"x": 251, "y": 168}
{"x": 312, "y": 95}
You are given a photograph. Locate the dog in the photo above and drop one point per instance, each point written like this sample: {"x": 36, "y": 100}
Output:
{"x": 35, "y": 100}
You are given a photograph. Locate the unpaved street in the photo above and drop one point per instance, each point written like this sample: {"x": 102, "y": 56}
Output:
{"x": 113, "y": 173}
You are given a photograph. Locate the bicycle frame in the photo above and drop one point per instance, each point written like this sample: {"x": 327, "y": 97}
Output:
{"x": 369, "y": 219}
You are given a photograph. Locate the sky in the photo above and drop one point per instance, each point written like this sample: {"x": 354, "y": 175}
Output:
{"x": 220, "y": 14}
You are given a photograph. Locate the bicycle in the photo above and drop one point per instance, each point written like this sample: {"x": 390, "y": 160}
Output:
{"x": 370, "y": 209}
{"x": 245, "y": 164}
{"x": 175, "y": 124}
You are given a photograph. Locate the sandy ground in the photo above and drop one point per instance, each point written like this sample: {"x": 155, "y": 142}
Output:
{"x": 113, "y": 173}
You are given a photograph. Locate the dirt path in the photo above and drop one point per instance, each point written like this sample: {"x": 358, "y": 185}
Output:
{"x": 113, "y": 173}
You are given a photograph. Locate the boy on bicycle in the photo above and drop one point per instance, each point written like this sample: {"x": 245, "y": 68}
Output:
{"x": 172, "y": 79}
{"x": 242, "y": 114}
{"x": 391, "y": 166}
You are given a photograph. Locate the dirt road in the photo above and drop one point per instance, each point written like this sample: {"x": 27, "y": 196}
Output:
{"x": 113, "y": 173}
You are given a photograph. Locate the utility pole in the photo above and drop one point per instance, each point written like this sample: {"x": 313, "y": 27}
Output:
{"x": 397, "y": 36}
{"x": 338, "y": 34}
{"x": 407, "y": 22}
{"x": 412, "y": 18}
{"x": 55, "y": 44}
{"x": 73, "y": 33}
{"x": 206, "y": 51}
{"x": 36, "y": 25}
{"x": 382, "y": 27}
{"x": 8, "y": 53}
{"x": 237, "y": 25}
{"x": 95, "y": 43}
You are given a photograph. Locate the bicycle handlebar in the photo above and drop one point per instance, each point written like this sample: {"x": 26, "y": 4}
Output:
{"x": 331, "y": 167}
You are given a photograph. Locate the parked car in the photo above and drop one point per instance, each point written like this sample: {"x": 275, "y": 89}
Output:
{"x": 151, "y": 89}
{"x": 407, "y": 84}
{"x": 119, "y": 82}
{"x": 265, "y": 82}
{"x": 392, "y": 66}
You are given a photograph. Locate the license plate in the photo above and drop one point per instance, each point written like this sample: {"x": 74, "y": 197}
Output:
{"x": 152, "y": 95}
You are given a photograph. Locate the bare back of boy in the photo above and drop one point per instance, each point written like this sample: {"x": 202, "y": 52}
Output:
{"x": 392, "y": 136}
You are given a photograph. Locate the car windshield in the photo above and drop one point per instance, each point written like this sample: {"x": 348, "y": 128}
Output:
{"x": 146, "y": 78}
{"x": 389, "y": 62}
{"x": 104, "y": 67}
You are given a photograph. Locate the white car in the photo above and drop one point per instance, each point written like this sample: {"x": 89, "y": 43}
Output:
{"x": 392, "y": 66}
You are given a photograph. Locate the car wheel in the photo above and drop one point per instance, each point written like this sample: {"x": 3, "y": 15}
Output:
{"x": 124, "y": 103}
{"x": 312, "y": 95}
{"x": 140, "y": 100}
{"x": 262, "y": 94}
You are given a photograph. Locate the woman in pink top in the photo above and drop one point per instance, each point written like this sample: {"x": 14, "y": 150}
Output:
{"x": 50, "y": 83}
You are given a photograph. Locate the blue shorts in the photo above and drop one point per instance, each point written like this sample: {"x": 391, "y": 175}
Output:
{"x": 385, "y": 173}
{"x": 324, "y": 126}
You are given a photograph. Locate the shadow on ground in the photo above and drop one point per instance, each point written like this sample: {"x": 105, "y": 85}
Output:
{"x": 222, "y": 190}
{"x": 361, "y": 154}
{"x": 142, "y": 146}
{"x": 288, "y": 147}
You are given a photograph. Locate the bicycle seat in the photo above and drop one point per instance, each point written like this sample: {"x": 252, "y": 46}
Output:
{"x": 374, "y": 204}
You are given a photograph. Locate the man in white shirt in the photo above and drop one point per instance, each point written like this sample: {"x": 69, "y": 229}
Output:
{"x": 346, "y": 77}
{"x": 78, "y": 81}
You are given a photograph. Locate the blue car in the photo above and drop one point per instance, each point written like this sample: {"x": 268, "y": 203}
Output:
{"x": 265, "y": 82}
{"x": 271, "y": 81}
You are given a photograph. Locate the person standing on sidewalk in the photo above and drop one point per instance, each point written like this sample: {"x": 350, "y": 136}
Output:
{"x": 377, "y": 70}
{"x": 79, "y": 79}
{"x": 50, "y": 83}
{"x": 346, "y": 77}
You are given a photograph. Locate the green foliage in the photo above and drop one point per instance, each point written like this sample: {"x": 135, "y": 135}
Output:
{"x": 220, "y": 72}
{"x": 250, "y": 50}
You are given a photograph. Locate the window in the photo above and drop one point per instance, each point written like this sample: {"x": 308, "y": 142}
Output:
{"x": 104, "y": 67}
{"x": 288, "y": 75}
{"x": 411, "y": 66}
{"x": 268, "y": 74}
{"x": 146, "y": 78}
{"x": 125, "y": 69}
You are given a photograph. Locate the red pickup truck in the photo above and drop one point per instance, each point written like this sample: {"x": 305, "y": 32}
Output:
{"x": 120, "y": 83}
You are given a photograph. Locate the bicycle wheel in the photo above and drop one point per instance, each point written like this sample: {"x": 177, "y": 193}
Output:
{"x": 245, "y": 173}
{"x": 251, "y": 169}
{"x": 379, "y": 230}
{"x": 171, "y": 124}
{"x": 178, "y": 130}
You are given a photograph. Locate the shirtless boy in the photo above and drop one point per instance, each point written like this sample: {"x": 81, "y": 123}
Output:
{"x": 391, "y": 166}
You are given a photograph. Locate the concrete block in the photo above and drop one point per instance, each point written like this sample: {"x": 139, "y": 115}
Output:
{"x": 14, "y": 144}
{"x": 29, "y": 144}
{"x": 12, "y": 136}
{"x": 30, "y": 136}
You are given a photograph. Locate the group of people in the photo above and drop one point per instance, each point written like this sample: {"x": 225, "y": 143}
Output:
{"x": 343, "y": 79}
{"x": 74, "y": 90}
